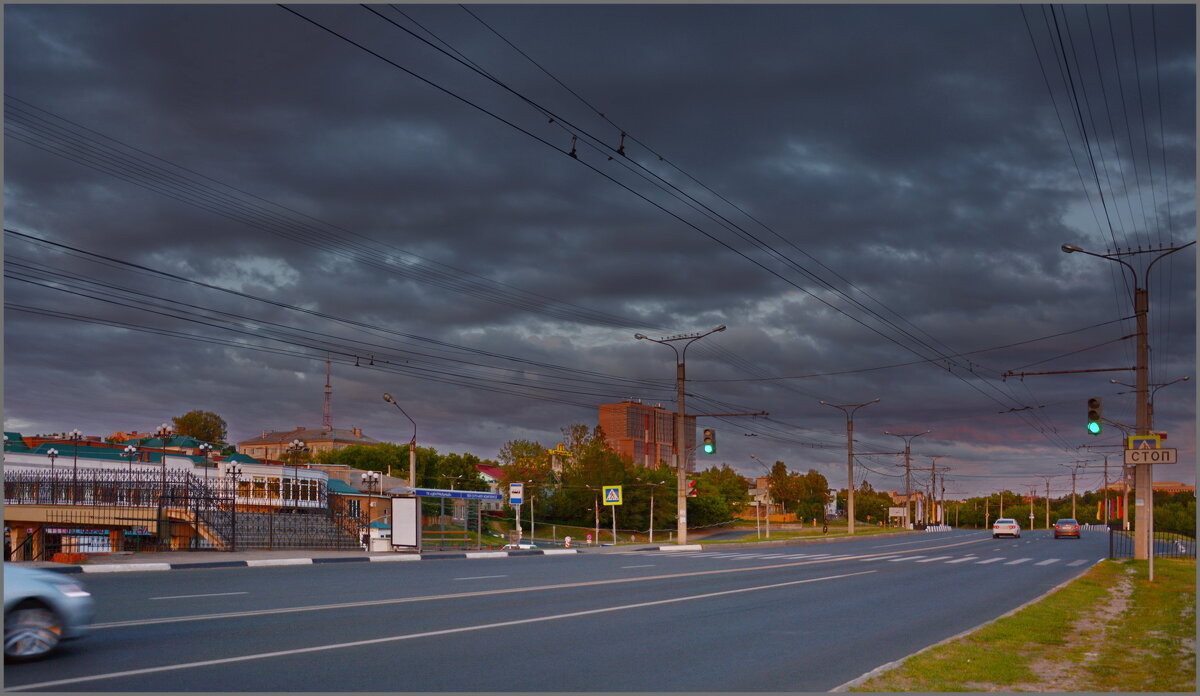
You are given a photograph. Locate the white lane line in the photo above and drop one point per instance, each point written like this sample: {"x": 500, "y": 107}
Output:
{"x": 877, "y": 558}
{"x": 1019, "y": 560}
{"x": 905, "y": 558}
{"x": 1048, "y": 561}
{"x": 964, "y": 559}
{"x": 482, "y": 577}
{"x": 189, "y": 596}
{"x": 1073, "y": 564}
{"x": 425, "y": 634}
{"x": 991, "y": 560}
{"x": 648, "y": 565}
{"x": 935, "y": 558}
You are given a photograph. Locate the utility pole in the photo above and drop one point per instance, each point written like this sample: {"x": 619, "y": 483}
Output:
{"x": 1046, "y": 478}
{"x": 680, "y": 423}
{"x": 931, "y": 515}
{"x": 908, "y": 438}
{"x": 1143, "y": 473}
{"x": 1074, "y": 470}
{"x": 850, "y": 456}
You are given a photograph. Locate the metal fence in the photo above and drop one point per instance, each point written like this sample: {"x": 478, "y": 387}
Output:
{"x": 1166, "y": 544}
{"x": 234, "y": 518}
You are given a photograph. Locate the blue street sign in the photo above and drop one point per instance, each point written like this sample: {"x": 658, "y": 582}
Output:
{"x": 516, "y": 493}
{"x": 467, "y": 495}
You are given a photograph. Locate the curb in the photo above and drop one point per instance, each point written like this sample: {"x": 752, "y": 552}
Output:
{"x": 258, "y": 563}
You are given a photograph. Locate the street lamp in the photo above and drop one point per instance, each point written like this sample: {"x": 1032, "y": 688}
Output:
{"x": 652, "y": 485}
{"x": 767, "y": 520}
{"x": 53, "y": 454}
{"x": 130, "y": 451}
{"x": 850, "y": 456}
{"x": 908, "y": 438}
{"x": 1143, "y": 473}
{"x": 205, "y": 448}
{"x": 75, "y": 436}
{"x": 233, "y": 473}
{"x": 369, "y": 477}
{"x": 680, "y": 420}
{"x": 412, "y": 446}
{"x": 295, "y": 447}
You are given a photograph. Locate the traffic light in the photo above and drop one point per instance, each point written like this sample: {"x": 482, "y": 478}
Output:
{"x": 691, "y": 489}
{"x": 1093, "y": 415}
{"x": 710, "y": 441}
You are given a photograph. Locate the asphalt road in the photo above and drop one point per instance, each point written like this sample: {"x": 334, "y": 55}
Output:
{"x": 794, "y": 618}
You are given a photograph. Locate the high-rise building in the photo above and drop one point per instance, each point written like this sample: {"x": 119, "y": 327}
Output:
{"x": 646, "y": 434}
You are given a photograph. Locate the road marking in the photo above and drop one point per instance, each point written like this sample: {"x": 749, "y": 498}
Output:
{"x": 1019, "y": 560}
{"x": 124, "y": 567}
{"x": 964, "y": 559}
{"x": 904, "y": 558}
{"x": 648, "y": 565}
{"x": 1048, "y": 561}
{"x": 488, "y": 592}
{"x": 189, "y": 596}
{"x": 990, "y": 560}
{"x": 935, "y": 558}
{"x": 482, "y": 577}
{"x": 878, "y": 558}
{"x": 1076, "y": 563}
{"x": 425, "y": 634}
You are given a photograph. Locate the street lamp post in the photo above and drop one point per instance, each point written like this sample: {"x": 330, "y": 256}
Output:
{"x": 295, "y": 447}
{"x": 53, "y": 454}
{"x": 412, "y": 446}
{"x": 680, "y": 421}
{"x": 908, "y": 438}
{"x": 850, "y": 456}
{"x": 767, "y": 519}
{"x": 369, "y": 478}
{"x": 233, "y": 473}
{"x": 75, "y": 436}
{"x": 1143, "y": 473}
{"x": 205, "y": 448}
{"x": 130, "y": 452}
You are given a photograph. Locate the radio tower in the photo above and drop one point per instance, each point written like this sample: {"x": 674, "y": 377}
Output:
{"x": 327, "y": 408}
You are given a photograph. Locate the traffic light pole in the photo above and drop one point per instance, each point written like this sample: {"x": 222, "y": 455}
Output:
{"x": 1143, "y": 475}
{"x": 680, "y": 423}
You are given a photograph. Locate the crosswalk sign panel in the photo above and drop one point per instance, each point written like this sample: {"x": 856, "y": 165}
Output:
{"x": 612, "y": 495}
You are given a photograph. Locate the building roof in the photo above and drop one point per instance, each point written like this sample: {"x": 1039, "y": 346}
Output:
{"x": 340, "y": 486}
{"x": 239, "y": 458}
{"x": 351, "y": 435}
{"x": 495, "y": 473}
{"x": 14, "y": 442}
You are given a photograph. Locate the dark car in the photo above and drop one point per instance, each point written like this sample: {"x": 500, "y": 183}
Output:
{"x": 1066, "y": 527}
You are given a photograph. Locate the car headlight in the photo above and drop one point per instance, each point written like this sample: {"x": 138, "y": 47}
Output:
{"x": 70, "y": 589}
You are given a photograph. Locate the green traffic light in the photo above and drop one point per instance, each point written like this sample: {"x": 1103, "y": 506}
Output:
{"x": 708, "y": 449}
{"x": 1094, "y": 427}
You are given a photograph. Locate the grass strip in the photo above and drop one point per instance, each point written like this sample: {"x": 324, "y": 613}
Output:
{"x": 1109, "y": 630}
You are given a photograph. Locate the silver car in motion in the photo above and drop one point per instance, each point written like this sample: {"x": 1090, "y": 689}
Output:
{"x": 41, "y": 609}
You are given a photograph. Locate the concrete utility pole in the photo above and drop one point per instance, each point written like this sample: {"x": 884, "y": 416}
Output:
{"x": 850, "y": 456}
{"x": 908, "y": 438}
{"x": 931, "y": 513}
{"x": 412, "y": 445}
{"x": 1046, "y": 478}
{"x": 1074, "y": 470}
{"x": 680, "y": 422}
{"x": 1143, "y": 473}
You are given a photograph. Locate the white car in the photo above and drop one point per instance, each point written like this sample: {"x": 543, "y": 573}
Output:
{"x": 41, "y": 609}
{"x": 1006, "y": 527}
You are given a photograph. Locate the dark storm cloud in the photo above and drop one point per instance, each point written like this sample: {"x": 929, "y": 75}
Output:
{"x": 912, "y": 150}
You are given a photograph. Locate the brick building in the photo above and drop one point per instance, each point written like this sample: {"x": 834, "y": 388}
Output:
{"x": 274, "y": 444}
{"x": 646, "y": 434}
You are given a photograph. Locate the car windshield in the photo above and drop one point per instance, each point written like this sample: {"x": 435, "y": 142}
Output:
{"x": 1006, "y": 521}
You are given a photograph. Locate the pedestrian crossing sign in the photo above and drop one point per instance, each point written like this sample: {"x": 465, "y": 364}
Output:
{"x": 1144, "y": 442}
{"x": 612, "y": 495}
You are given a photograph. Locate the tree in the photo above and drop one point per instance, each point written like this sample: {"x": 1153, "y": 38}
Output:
{"x": 725, "y": 483}
{"x": 202, "y": 425}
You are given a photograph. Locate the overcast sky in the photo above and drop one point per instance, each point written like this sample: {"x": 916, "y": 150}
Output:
{"x": 871, "y": 198}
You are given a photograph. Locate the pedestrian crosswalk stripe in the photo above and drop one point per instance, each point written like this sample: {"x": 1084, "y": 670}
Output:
{"x": 1076, "y": 563}
{"x": 990, "y": 560}
{"x": 1019, "y": 560}
{"x": 964, "y": 559}
{"x": 1048, "y": 561}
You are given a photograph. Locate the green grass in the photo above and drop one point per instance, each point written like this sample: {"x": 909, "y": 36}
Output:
{"x": 1150, "y": 646}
